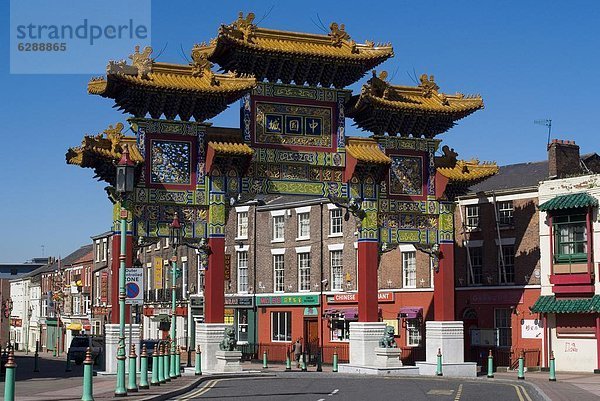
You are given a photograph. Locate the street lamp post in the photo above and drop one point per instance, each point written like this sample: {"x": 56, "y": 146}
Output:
{"x": 124, "y": 182}
{"x": 175, "y": 239}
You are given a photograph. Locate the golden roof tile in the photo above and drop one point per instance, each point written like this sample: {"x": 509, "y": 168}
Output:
{"x": 470, "y": 170}
{"x": 230, "y": 148}
{"x": 366, "y": 150}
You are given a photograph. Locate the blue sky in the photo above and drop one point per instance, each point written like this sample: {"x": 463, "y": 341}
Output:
{"x": 529, "y": 60}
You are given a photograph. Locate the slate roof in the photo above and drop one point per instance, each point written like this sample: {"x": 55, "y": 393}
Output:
{"x": 514, "y": 176}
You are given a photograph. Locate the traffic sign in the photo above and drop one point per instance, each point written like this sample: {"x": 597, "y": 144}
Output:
{"x": 134, "y": 283}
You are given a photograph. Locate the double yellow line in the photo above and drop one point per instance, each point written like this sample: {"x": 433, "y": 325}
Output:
{"x": 202, "y": 390}
{"x": 521, "y": 392}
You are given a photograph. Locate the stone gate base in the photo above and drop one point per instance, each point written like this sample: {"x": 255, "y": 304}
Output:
{"x": 367, "y": 358}
{"x": 449, "y": 338}
{"x": 112, "y": 345}
{"x": 208, "y": 337}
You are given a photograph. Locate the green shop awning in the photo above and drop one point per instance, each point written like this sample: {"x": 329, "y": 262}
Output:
{"x": 549, "y": 304}
{"x": 570, "y": 201}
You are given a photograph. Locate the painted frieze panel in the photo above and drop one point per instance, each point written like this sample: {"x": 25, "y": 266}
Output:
{"x": 170, "y": 162}
{"x": 406, "y": 176}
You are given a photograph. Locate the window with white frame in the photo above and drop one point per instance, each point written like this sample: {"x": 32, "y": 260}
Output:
{"x": 472, "y": 212}
{"x": 278, "y": 227}
{"x": 98, "y": 250}
{"x": 242, "y": 224}
{"x": 76, "y": 305}
{"x": 335, "y": 222}
{"x": 104, "y": 249}
{"x": 502, "y": 323}
{"x": 507, "y": 269}
{"x": 278, "y": 273}
{"x": 242, "y": 271}
{"x": 304, "y": 225}
{"x": 505, "y": 213}
{"x": 475, "y": 268}
{"x": 44, "y": 311}
{"x": 413, "y": 332}
{"x": 304, "y": 271}
{"x": 409, "y": 269}
{"x": 281, "y": 326}
{"x": 340, "y": 328}
{"x": 337, "y": 276}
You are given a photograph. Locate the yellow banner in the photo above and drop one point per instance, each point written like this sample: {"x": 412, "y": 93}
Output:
{"x": 158, "y": 272}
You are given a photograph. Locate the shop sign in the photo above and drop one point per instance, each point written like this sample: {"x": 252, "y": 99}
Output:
{"x": 531, "y": 328}
{"x": 288, "y": 300}
{"x": 352, "y": 297}
{"x": 227, "y": 270}
{"x": 238, "y": 301}
{"x": 104, "y": 287}
{"x": 158, "y": 272}
{"x": 505, "y": 297}
{"x": 311, "y": 312}
{"x": 161, "y": 311}
{"x": 16, "y": 322}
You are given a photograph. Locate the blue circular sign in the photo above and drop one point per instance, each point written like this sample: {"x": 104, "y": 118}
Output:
{"x": 132, "y": 290}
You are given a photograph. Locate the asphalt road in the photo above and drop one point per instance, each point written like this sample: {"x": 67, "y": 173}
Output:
{"x": 359, "y": 388}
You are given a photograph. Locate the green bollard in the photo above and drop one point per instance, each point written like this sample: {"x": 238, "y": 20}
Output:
{"x": 303, "y": 357}
{"x": 265, "y": 360}
{"x": 36, "y": 363}
{"x": 552, "y": 368}
{"x": 288, "y": 362}
{"x": 490, "y": 373}
{"x": 521, "y": 372}
{"x": 178, "y": 361}
{"x": 144, "y": 369}
{"x": 132, "y": 383}
{"x": 166, "y": 360}
{"x": 155, "y": 380}
{"x": 438, "y": 370}
{"x": 88, "y": 374}
{"x": 198, "y": 367}
{"x": 161, "y": 364}
{"x": 334, "y": 369}
{"x": 9, "y": 377}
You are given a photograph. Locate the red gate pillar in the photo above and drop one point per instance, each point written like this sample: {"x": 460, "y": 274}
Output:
{"x": 443, "y": 293}
{"x": 114, "y": 278}
{"x": 368, "y": 309}
{"x": 214, "y": 286}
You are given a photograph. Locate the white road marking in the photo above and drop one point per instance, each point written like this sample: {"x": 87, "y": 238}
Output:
{"x": 440, "y": 392}
{"x": 334, "y": 391}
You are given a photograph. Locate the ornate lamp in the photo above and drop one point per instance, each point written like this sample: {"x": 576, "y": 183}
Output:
{"x": 125, "y": 173}
{"x": 175, "y": 232}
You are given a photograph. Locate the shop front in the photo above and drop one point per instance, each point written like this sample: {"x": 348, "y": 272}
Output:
{"x": 239, "y": 312}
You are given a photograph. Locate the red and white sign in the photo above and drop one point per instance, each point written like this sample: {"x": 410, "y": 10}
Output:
{"x": 352, "y": 297}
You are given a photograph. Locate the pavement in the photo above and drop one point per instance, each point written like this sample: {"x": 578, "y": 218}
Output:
{"x": 53, "y": 383}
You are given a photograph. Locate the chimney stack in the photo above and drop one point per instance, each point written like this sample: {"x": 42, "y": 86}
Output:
{"x": 563, "y": 159}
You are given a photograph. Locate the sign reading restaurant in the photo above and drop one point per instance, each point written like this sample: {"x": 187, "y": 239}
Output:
{"x": 287, "y": 300}
{"x": 352, "y": 297}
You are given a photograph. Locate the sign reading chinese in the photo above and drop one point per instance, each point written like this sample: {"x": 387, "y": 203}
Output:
{"x": 532, "y": 328}
{"x": 238, "y": 301}
{"x": 352, "y": 297}
{"x": 104, "y": 287}
{"x": 227, "y": 267}
{"x": 288, "y": 300}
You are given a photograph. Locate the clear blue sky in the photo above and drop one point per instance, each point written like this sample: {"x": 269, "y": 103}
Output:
{"x": 529, "y": 60}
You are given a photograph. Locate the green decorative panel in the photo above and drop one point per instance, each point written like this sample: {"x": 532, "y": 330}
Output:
{"x": 446, "y": 222}
{"x": 403, "y": 236}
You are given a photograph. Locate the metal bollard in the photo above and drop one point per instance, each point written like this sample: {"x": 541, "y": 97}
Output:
{"x": 36, "y": 363}
{"x": 68, "y": 365}
{"x": 173, "y": 361}
{"x": 132, "y": 383}
{"x": 521, "y": 372}
{"x": 334, "y": 369}
{"x": 144, "y": 369}
{"x": 288, "y": 362}
{"x": 154, "y": 381}
{"x": 88, "y": 374}
{"x": 490, "y": 373}
{"x": 265, "y": 365}
{"x": 161, "y": 364}
{"x": 9, "y": 378}
{"x": 552, "y": 368}
{"x": 438, "y": 370}
{"x": 166, "y": 360}
{"x": 319, "y": 362}
{"x": 198, "y": 367}
{"x": 304, "y": 362}
{"x": 178, "y": 362}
